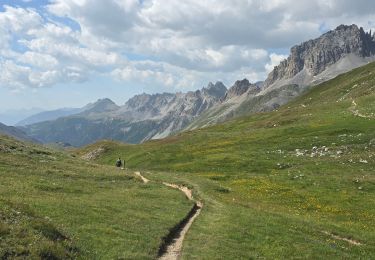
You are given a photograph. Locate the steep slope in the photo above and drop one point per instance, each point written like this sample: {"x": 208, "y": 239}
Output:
{"x": 294, "y": 183}
{"x": 15, "y": 133}
{"x": 48, "y": 115}
{"x": 143, "y": 117}
{"x": 312, "y": 62}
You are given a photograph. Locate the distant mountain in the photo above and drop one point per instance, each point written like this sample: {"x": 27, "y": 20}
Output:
{"x": 48, "y": 115}
{"x": 98, "y": 108}
{"x": 15, "y": 133}
{"x": 141, "y": 118}
{"x": 101, "y": 106}
{"x": 310, "y": 63}
{"x": 12, "y": 116}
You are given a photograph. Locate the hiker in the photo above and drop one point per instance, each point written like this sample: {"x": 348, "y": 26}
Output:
{"x": 119, "y": 163}
{"x": 124, "y": 164}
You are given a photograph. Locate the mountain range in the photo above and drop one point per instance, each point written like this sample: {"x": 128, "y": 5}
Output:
{"x": 146, "y": 117}
{"x": 141, "y": 118}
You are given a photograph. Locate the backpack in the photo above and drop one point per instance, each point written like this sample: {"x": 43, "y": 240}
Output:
{"x": 118, "y": 163}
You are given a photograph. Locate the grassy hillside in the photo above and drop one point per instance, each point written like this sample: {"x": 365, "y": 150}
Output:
{"x": 294, "y": 183}
{"x": 54, "y": 206}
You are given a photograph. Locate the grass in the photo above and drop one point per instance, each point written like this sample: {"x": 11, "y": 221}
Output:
{"x": 54, "y": 206}
{"x": 293, "y": 183}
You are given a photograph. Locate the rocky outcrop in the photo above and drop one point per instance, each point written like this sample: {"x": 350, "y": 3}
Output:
{"x": 315, "y": 56}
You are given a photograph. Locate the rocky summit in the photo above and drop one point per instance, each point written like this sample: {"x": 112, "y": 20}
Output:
{"x": 315, "y": 56}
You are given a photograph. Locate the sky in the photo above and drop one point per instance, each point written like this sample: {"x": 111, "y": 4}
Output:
{"x": 67, "y": 53}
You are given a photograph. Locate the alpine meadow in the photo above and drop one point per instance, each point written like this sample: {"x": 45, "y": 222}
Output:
{"x": 273, "y": 158}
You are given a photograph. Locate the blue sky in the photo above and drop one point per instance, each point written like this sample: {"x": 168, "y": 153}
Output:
{"x": 33, "y": 4}
{"x": 67, "y": 53}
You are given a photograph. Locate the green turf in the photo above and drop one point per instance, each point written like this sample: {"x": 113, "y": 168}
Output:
{"x": 285, "y": 184}
{"x": 54, "y": 206}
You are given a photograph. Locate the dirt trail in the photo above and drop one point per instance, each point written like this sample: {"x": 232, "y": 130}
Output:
{"x": 188, "y": 193}
{"x": 349, "y": 240}
{"x": 145, "y": 180}
{"x": 172, "y": 244}
{"x": 173, "y": 248}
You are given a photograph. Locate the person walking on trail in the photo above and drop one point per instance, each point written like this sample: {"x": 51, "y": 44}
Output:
{"x": 123, "y": 165}
{"x": 118, "y": 162}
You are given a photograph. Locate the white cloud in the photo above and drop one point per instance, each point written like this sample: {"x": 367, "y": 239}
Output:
{"x": 13, "y": 75}
{"x": 39, "y": 53}
{"x": 180, "y": 44}
{"x": 19, "y": 20}
{"x": 148, "y": 72}
{"x": 43, "y": 61}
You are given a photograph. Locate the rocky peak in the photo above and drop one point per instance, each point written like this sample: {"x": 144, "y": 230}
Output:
{"x": 216, "y": 90}
{"x": 239, "y": 88}
{"x": 316, "y": 55}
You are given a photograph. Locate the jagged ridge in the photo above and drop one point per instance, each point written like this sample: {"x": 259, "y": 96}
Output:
{"x": 316, "y": 55}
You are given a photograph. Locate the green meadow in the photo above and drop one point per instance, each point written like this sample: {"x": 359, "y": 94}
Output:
{"x": 294, "y": 183}
{"x": 55, "y": 206}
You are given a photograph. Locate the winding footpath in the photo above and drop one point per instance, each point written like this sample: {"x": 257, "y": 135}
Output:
{"x": 171, "y": 249}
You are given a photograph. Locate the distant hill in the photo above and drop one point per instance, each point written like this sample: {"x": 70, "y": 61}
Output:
{"x": 15, "y": 133}
{"x": 48, "y": 115}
